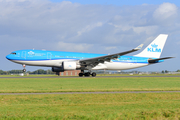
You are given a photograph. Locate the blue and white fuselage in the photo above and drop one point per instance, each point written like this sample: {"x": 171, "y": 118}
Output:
{"x": 61, "y": 61}
{"x": 55, "y": 59}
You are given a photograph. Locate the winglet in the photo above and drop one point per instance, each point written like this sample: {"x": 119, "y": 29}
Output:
{"x": 139, "y": 47}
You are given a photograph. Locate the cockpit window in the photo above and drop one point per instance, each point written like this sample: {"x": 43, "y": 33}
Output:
{"x": 13, "y": 53}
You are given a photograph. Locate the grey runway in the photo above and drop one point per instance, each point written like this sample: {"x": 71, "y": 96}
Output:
{"x": 63, "y": 93}
{"x": 91, "y": 77}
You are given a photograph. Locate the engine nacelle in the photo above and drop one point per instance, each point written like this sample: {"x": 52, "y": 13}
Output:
{"x": 69, "y": 65}
{"x": 57, "y": 69}
{"x": 66, "y": 66}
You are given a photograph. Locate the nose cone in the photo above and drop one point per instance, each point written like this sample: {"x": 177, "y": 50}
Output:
{"x": 8, "y": 57}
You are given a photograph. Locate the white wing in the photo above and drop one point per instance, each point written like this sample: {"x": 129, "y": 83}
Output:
{"x": 95, "y": 61}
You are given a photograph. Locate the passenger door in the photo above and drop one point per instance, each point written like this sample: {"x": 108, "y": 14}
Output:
{"x": 49, "y": 55}
{"x": 23, "y": 54}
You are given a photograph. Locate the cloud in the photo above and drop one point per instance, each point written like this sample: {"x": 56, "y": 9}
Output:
{"x": 89, "y": 27}
{"x": 166, "y": 13}
{"x": 73, "y": 46}
{"x": 67, "y": 26}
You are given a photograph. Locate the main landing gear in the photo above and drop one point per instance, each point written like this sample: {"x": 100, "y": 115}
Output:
{"x": 87, "y": 74}
{"x": 24, "y": 70}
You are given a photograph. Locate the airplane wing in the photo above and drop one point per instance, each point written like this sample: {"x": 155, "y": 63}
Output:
{"x": 96, "y": 60}
{"x": 156, "y": 60}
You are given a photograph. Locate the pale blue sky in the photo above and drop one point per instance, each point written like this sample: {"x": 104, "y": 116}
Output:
{"x": 121, "y": 2}
{"x": 103, "y": 26}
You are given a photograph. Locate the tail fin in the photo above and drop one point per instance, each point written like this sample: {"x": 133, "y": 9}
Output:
{"x": 154, "y": 49}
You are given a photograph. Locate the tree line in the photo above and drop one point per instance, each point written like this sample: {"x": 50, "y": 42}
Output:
{"x": 39, "y": 71}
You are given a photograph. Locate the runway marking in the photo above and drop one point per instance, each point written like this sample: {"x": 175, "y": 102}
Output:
{"x": 63, "y": 93}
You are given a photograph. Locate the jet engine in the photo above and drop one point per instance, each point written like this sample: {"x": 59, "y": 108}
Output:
{"x": 57, "y": 69}
{"x": 66, "y": 66}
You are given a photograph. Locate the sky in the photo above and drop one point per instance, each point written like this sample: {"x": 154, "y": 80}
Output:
{"x": 101, "y": 26}
{"x": 121, "y": 2}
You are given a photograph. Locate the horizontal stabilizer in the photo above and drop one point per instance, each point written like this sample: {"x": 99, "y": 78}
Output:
{"x": 156, "y": 60}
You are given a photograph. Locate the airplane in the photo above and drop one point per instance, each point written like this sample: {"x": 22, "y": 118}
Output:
{"x": 61, "y": 61}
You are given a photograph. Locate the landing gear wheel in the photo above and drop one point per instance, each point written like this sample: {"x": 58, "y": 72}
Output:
{"x": 24, "y": 70}
{"x": 87, "y": 74}
{"x": 81, "y": 74}
{"x": 93, "y": 74}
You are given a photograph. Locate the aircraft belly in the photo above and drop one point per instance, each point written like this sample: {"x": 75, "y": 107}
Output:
{"x": 100, "y": 67}
{"x": 118, "y": 66}
{"x": 46, "y": 63}
{"x": 123, "y": 66}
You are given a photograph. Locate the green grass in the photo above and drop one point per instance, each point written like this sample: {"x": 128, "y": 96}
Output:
{"x": 28, "y": 85}
{"x": 91, "y": 106}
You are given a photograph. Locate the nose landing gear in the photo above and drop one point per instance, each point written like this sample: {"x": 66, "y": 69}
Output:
{"x": 24, "y": 70}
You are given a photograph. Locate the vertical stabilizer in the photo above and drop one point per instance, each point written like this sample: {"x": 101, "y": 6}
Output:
{"x": 154, "y": 49}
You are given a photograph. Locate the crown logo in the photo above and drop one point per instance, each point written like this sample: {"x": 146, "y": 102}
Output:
{"x": 154, "y": 45}
{"x": 31, "y": 53}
